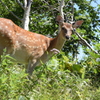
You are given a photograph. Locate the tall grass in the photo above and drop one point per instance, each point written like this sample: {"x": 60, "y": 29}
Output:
{"x": 59, "y": 79}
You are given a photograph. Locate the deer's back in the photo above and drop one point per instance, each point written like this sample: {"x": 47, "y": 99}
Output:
{"x": 21, "y": 44}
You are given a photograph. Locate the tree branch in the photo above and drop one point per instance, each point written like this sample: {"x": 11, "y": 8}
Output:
{"x": 27, "y": 8}
{"x": 72, "y": 16}
{"x": 85, "y": 42}
{"x": 60, "y": 8}
{"x": 20, "y": 4}
{"x": 10, "y": 11}
{"x": 25, "y": 3}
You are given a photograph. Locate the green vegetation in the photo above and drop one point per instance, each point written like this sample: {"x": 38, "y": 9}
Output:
{"x": 64, "y": 77}
{"x": 43, "y": 15}
{"x": 59, "y": 79}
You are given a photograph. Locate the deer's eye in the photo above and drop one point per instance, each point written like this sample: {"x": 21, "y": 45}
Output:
{"x": 64, "y": 29}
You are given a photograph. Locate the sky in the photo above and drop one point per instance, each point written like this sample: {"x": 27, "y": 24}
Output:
{"x": 95, "y": 4}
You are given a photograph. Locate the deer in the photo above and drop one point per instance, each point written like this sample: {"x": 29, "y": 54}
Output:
{"x": 32, "y": 48}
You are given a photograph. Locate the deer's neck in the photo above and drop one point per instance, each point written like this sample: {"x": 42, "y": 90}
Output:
{"x": 57, "y": 42}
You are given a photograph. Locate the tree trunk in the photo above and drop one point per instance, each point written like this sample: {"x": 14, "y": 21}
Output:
{"x": 27, "y": 8}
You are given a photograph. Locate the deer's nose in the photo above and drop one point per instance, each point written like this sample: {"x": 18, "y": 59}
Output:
{"x": 67, "y": 37}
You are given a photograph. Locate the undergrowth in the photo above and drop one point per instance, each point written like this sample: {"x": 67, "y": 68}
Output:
{"x": 58, "y": 79}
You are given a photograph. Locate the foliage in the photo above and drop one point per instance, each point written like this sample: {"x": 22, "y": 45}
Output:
{"x": 43, "y": 15}
{"x": 58, "y": 79}
{"x": 10, "y": 85}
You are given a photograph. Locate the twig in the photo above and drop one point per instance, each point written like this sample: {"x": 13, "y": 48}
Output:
{"x": 10, "y": 11}
{"x": 85, "y": 42}
{"x": 82, "y": 40}
{"x": 18, "y": 1}
{"x": 72, "y": 16}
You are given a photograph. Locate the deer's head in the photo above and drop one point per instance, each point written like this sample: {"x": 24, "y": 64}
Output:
{"x": 66, "y": 29}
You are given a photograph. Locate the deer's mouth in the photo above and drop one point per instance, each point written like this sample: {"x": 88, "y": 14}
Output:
{"x": 67, "y": 37}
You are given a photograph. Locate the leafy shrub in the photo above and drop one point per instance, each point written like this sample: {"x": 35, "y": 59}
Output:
{"x": 58, "y": 79}
{"x": 12, "y": 79}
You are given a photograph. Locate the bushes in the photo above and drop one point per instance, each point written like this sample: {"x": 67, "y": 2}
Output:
{"x": 59, "y": 79}
{"x": 12, "y": 79}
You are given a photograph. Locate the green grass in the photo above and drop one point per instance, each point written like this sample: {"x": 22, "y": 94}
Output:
{"x": 59, "y": 79}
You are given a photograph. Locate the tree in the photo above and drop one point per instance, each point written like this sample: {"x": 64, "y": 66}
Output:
{"x": 43, "y": 14}
{"x": 26, "y": 6}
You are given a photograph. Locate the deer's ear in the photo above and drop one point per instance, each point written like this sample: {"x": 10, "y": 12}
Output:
{"x": 77, "y": 24}
{"x": 59, "y": 19}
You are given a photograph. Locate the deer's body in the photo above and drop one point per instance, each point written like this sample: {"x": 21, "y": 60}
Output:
{"x": 27, "y": 47}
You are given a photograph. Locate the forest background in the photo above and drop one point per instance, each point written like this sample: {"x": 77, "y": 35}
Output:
{"x": 67, "y": 76}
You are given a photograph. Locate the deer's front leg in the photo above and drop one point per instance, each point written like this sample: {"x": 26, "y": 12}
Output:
{"x": 55, "y": 51}
{"x": 31, "y": 65}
